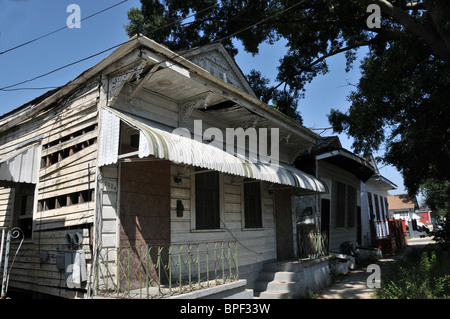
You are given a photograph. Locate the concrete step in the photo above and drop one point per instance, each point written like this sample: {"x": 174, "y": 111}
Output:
{"x": 280, "y": 276}
{"x": 274, "y": 295}
{"x": 291, "y": 279}
{"x": 289, "y": 266}
{"x": 276, "y": 286}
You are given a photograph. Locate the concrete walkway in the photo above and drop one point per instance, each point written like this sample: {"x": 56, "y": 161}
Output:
{"x": 353, "y": 285}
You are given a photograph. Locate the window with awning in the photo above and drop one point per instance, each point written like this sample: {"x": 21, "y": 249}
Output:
{"x": 19, "y": 171}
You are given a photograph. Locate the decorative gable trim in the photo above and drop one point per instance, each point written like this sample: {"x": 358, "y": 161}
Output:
{"x": 216, "y": 60}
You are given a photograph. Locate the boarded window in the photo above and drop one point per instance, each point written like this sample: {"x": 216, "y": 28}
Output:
{"x": 340, "y": 204}
{"x": 351, "y": 206}
{"x": 252, "y": 205}
{"x": 207, "y": 201}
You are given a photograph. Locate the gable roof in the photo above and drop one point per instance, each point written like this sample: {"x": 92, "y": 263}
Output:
{"x": 378, "y": 179}
{"x": 142, "y": 50}
{"x": 402, "y": 202}
{"x": 215, "y": 59}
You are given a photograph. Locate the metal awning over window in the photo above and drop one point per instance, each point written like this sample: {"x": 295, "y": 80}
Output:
{"x": 21, "y": 166}
{"x": 182, "y": 149}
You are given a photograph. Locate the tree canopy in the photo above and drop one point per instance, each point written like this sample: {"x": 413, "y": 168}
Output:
{"x": 401, "y": 101}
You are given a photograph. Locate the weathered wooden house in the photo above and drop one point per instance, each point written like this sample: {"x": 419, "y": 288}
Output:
{"x": 149, "y": 168}
{"x": 375, "y": 208}
{"x": 335, "y": 213}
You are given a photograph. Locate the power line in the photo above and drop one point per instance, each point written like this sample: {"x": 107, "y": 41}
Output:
{"x": 62, "y": 28}
{"x": 8, "y": 88}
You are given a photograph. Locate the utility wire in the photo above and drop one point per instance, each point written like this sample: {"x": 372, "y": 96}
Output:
{"x": 8, "y": 88}
{"x": 62, "y": 28}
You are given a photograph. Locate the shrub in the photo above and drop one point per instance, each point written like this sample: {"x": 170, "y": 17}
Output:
{"x": 442, "y": 235}
{"x": 424, "y": 274}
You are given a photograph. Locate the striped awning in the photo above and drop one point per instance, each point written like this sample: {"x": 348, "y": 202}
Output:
{"x": 21, "y": 166}
{"x": 183, "y": 149}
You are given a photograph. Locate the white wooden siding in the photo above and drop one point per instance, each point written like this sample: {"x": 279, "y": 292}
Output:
{"x": 254, "y": 245}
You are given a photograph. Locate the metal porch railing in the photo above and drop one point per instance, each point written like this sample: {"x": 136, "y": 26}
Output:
{"x": 8, "y": 233}
{"x": 160, "y": 271}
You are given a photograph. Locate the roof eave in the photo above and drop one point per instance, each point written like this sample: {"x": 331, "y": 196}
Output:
{"x": 14, "y": 117}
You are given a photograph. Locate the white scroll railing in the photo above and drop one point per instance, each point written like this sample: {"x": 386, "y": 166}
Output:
{"x": 8, "y": 233}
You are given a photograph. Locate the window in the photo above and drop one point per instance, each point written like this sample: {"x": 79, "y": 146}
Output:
{"x": 351, "y": 209}
{"x": 252, "y": 205}
{"x": 377, "y": 206}
{"x": 345, "y": 205}
{"x": 23, "y": 211}
{"x": 340, "y": 205}
{"x": 217, "y": 71}
{"x": 386, "y": 206}
{"x": 382, "y": 208}
{"x": 369, "y": 198}
{"x": 207, "y": 201}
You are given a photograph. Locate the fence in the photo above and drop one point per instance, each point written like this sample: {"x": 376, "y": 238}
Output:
{"x": 8, "y": 233}
{"x": 158, "y": 271}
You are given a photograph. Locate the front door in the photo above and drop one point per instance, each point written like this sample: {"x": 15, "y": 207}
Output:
{"x": 284, "y": 225}
{"x": 144, "y": 220}
{"x": 145, "y": 203}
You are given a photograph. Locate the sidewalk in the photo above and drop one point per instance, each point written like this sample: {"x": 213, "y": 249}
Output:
{"x": 353, "y": 286}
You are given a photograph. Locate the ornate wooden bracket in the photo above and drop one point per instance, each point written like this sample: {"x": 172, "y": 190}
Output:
{"x": 188, "y": 106}
{"x": 117, "y": 82}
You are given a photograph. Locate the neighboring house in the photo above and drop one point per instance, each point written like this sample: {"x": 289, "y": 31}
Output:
{"x": 403, "y": 207}
{"x": 123, "y": 175}
{"x": 425, "y": 216}
{"x": 374, "y": 208}
{"x": 335, "y": 213}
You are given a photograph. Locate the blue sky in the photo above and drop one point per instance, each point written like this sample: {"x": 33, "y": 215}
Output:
{"x": 24, "y": 20}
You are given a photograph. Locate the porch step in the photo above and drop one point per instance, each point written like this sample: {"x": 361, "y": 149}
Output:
{"x": 275, "y": 289}
{"x": 284, "y": 266}
{"x": 287, "y": 279}
{"x": 279, "y": 280}
{"x": 282, "y": 276}
{"x": 273, "y": 295}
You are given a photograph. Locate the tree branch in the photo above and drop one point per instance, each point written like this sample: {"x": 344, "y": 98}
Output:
{"x": 347, "y": 48}
{"x": 437, "y": 14}
{"x": 413, "y": 26}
